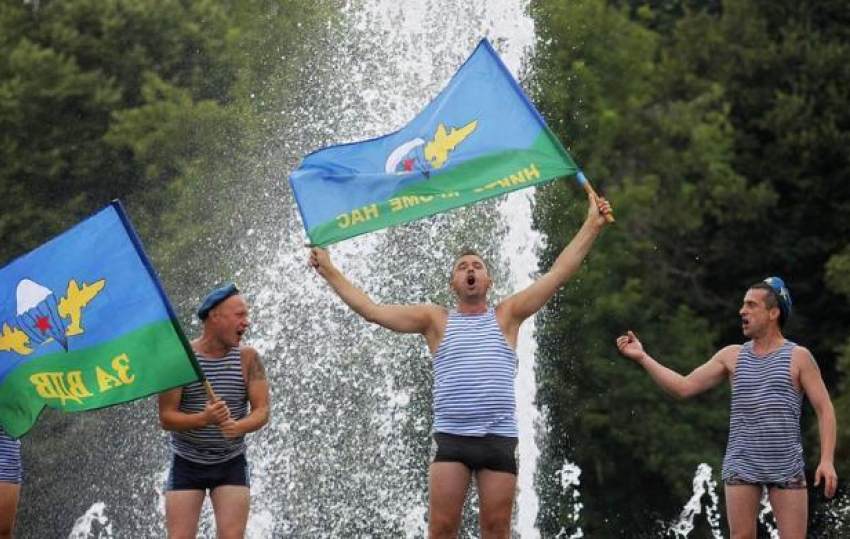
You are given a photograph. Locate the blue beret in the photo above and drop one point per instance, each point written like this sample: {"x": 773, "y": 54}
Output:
{"x": 214, "y": 298}
{"x": 785, "y": 303}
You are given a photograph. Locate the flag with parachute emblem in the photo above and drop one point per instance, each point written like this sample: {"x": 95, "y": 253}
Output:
{"x": 479, "y": 138}
{"x": 85, "y": 324}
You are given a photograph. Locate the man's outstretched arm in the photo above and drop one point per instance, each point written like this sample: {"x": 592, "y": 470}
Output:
{"x": 402, "y": 318}
{"x": 525, "y": 303}
{"x": 704, "y": 377}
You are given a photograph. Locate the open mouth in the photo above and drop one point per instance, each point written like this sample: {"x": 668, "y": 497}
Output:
{"x": 470, "y": 280}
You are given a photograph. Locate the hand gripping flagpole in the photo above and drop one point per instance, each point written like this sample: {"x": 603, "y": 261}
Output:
{"x": 582, "y": 179}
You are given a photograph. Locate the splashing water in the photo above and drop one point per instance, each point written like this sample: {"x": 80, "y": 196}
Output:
{"x": 347, "y": 451}
{"x": 359, "y": 403}
{"x": 94, "y": 524}
{"x": 569, "y": 478}
{"x": 766, "y": 515}
{"x": 704, "y": 485}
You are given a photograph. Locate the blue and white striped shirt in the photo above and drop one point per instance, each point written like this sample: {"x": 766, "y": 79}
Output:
{"x": 474, "y": 372}
{"x": 10, "y": 459}
{"x": 765, "y": 443}
{"x": 206, "y": 445}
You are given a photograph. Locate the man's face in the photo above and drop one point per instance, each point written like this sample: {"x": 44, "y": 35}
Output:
{"x": 470, "y": 277}
{"x": 755, "y": 316}
{"x": 230, "y": 320}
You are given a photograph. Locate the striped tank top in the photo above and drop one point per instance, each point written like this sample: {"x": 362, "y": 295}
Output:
{"x": 206, "y": 445}
{"x": 765, "y": 443}
{"x": 474, "y": 371}
{"x": 10, "y": 459}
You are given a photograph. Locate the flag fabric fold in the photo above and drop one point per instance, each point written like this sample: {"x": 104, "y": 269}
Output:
{"x": 479, "y": 138}
{"x": 85, "y": 324}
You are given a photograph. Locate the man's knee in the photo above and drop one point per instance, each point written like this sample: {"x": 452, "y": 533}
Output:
{"x": 233, "y": 527}
{"x": 231, "y": 533}
{"x": 443, "y": 527}
{"x": 742, "y": 534}
{"x": 495, "y": 527}
{"x": 175, "y": 533}
{"x": 7, "y": 525}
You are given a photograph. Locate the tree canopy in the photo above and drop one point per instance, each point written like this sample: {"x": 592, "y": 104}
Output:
{"x": 719, "y": 130}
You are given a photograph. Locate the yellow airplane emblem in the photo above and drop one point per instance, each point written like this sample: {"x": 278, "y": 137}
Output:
{"x": 437, "y": 151}
{"x": 71, "y": 306}
{"x": 14, "y": 340}
{"x": 77, "y": 298}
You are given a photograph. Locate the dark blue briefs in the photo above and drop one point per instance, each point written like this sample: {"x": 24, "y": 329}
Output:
{"x": 493, "y": 452}
{"x": 187, "y": 475}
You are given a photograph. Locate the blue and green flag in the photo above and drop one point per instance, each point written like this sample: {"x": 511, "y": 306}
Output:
{"x": 85, "y": 324}
{"x": 481, "y": 137}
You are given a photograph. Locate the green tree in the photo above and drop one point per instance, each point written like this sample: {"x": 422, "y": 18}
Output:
{"x": 717, "y": 133}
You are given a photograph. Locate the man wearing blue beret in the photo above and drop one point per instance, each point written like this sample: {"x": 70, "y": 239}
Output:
{"x": 769, "y": 376}
{"x": 208, "y": 434}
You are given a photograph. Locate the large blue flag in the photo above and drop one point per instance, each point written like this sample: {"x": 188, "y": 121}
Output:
{"x": 84, "y": 324}
{"x": 479, "y": 138}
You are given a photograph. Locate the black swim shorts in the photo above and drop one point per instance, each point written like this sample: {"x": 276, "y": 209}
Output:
{"x": 187, "y": 475}
{"x": 492, "y": 452}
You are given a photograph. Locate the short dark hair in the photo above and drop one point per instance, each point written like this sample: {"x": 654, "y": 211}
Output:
{"x": 469, "y": 251}
{"x": 771, "y": 299}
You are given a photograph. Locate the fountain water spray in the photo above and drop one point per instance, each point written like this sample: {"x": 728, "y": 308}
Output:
{"x": 704, "y": 485}
{"x": 94, "y": 524}
{"x": 569, "y": 478}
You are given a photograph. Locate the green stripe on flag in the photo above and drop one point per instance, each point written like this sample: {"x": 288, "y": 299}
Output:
{"x": 477, "y": 179}
{"x": 141, "y": 363}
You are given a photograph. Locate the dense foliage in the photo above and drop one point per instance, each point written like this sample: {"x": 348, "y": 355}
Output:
{"x": 162, "y": 104}
{"x": 720, "y": 132}
{"x": 157, "y": 103}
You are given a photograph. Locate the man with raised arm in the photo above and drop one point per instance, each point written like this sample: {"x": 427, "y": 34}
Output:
{"x": 473, "y": 348}
{"x": 208, "y": 437}
{"x": 769, "y": 376}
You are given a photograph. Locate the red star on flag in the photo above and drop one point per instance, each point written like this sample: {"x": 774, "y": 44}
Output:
{"x": 408, "y": 165}
{"x": 42, "y": 323}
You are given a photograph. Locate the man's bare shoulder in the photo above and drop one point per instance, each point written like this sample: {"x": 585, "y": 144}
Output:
{"x": 249, "y": 351}
{"x": 438, "y": 314}
{"x": 802, "y": 357}
{"x": 801, "y": 352}
{"x": 728, "y": 355}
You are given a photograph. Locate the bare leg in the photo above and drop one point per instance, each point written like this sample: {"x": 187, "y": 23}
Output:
{"x": 496, "y": 499}
{"x": 231, "y": 504}
{"x": 791, "y": 509}
{"x": 742, "y": 505}
{"x": 448, "y": 485}
{"x": 182, "y": 511}
{"x": 9, "y": 494}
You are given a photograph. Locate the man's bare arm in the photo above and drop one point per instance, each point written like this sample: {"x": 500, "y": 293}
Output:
{"x": 525, "y": 303}
{"x": 704, "y": 377}
{"x": 422, "y": 319}
{"x": 812, "y": 384}
{"x": 258, "y": 398}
